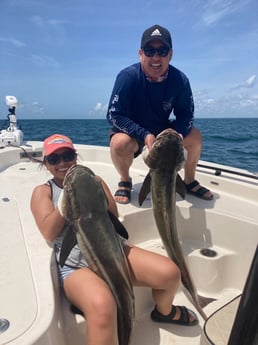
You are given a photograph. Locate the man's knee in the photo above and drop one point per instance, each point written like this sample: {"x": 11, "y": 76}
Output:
{"x": 123, "y": 144}
{"x": 193, "y": 138}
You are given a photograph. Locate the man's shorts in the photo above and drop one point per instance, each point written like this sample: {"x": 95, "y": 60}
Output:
{"x": 140, "y": 143}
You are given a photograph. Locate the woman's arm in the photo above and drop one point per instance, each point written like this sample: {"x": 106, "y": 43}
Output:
{"x": 47, "y": 217}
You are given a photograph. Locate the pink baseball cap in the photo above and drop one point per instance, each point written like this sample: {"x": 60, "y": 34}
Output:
{"x": 55, "y": 142}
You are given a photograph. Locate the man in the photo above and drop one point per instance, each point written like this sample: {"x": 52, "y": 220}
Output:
{"x": 143, "y": 97}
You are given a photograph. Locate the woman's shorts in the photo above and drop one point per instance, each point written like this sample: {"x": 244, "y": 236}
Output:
{"x": 65, "y": 271}
{"x": 74, "y": 261}
{"x": 77, "y": 261}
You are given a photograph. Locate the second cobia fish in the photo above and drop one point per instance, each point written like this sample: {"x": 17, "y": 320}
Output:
{"x": 165, "y": 159}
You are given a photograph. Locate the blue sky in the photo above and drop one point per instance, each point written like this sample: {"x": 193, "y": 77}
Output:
{"x": 60, "y": 57}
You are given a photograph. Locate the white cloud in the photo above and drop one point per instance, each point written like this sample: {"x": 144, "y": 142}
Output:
{"x": 215, "y": 10}
{"x": 99, "y": 111}
{"x": 13, "y": 41}
{"x": 52, "y": 28}
{"x": 38, "y": 21}
{"x": 37, "y": 108}
{"x": 26, "y": 109}
{"x": 44, "y": 23}
{"x": 248, "y": 83}
{"x": 99, "y": 107}
{"x": 232, "y": 104}
{"x": 44, "y": 61}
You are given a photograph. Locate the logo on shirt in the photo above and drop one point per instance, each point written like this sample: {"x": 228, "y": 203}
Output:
{"x": 115, "y": 99}
{"x": 168, "y": 105}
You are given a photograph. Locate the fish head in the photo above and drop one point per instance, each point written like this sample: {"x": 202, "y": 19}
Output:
{"x": 83, "y": 193}
{"x": 167, "y": 151}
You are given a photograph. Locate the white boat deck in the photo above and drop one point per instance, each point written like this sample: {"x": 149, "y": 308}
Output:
{"x": 29, "y": 291}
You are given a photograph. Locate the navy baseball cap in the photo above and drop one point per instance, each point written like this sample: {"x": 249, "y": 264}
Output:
{"x": 156, "y": 32}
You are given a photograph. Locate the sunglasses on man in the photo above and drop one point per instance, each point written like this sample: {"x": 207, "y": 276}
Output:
{"x": 151, "y": 51}
{"x": 54, "y": 158}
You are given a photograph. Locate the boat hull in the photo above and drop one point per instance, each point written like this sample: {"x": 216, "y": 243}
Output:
{"x": 228, "y": 225}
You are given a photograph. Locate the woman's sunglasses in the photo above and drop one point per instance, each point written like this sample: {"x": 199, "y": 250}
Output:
{"x": 161, "y": 51}
{"x": 54, "y": 158}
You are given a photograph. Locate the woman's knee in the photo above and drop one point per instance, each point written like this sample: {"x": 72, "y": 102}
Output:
{"x": 102, "y": 309}
{"x": 91, "y": 295}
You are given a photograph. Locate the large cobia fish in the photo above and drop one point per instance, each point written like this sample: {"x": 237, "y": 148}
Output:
{"x": 165, "y": 159}
{"x": 85, "y": 206}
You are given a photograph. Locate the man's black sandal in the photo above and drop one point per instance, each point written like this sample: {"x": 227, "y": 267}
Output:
{"x": 184, "y": 319}
{"x": 200, "y": 192}
{"x": 126, "y": 193}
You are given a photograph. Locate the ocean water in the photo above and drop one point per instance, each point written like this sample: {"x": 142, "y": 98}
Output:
{"x": 228, "y": 141}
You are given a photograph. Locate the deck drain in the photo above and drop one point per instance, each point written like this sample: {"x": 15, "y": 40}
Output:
{"x": 4, "y": 325}
{"x": 208, "y": 252}
{"x": 5, "y": 199}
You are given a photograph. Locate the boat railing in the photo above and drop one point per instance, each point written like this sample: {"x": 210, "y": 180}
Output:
{"x": 219, "y": 170}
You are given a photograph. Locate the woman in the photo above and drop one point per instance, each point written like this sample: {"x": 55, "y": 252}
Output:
{"x": 83, "y": 287}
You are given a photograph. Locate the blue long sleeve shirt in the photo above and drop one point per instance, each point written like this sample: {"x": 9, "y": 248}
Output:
{"x": 139, "y": 107}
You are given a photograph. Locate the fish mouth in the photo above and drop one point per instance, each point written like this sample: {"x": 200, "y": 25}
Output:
{"x": 168, "y": 143}
{"x": 167, "y": 132}
{"x": 70, "y": 170}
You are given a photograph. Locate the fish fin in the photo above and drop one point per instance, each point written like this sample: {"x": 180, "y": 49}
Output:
{"x": 120, "y": 229}
{"x": 180, "y": 186}
{"x": 68, "y": 243}
{"x": 145, "y": 190}
{"x": 204, "y": 301}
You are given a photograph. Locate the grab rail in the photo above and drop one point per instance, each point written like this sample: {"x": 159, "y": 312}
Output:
{"x": 219, "y": 170}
